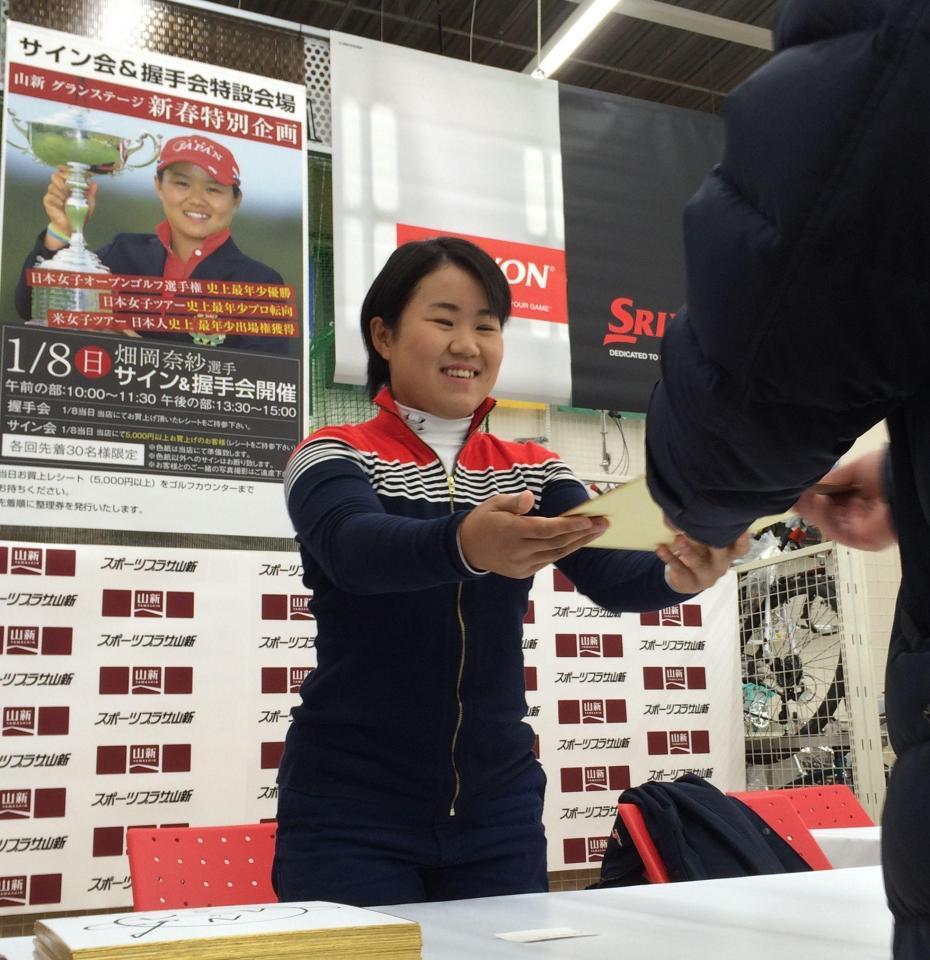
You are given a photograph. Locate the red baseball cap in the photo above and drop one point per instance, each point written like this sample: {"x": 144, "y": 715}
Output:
{"x": 205, "y": 153}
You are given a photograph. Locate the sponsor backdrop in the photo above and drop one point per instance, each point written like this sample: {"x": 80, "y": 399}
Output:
{"x": 104, "y": 422}
{"x": 628, "y": 169}
{"x": 126, "y": 674}
{"x": 609, "y": 272}
{"x": 424, "y": 145}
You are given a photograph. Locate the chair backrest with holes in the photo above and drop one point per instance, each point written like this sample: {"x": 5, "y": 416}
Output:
{"x": 831, "y": 805}
{"x": 777, "y": 811}
{"x": 174, "y": 867}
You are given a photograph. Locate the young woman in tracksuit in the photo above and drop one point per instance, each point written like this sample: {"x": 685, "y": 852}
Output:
{"x": 408, "y": 773}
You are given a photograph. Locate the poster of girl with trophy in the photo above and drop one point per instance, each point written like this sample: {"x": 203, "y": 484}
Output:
{"x": 152, "y": 207}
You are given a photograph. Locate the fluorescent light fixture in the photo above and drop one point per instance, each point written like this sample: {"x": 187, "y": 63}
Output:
{"x": 576, "y": 29}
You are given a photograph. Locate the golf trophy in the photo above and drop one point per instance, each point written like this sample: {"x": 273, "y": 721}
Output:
{"x": 84, "y": 151}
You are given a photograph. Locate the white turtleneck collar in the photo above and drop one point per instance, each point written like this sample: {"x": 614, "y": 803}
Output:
{"x": 445, "y": 437}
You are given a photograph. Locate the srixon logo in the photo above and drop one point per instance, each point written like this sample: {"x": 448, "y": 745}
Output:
{"x": 40, "y": 803}
{"x": 588, "y": 645}
{"x": 284, "y": 679}
{"x": 594, "y": 779}
{"x": 674, "y": 678}
{"x": 146, "y": 680}
{"x": 536, "y": 274}
{"x": 161, "y": 604}
{"x": 631, "y": 322}
{"x": 21, "y": 890}
{"x": 678, "y": 615}
{"x": 665, "y": 743}
{"x": 144, "y": 758}
{"x": 30, "y": 641}
{"x": 36, "y": 561}
{"x": 592, "y": 711}
{"x": 286, "y": 606}
{"x": 584, "y": 849}
{"x": 35, "y": 721}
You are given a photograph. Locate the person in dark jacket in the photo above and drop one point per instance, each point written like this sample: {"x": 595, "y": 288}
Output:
{"x": 808, "y": 321}
{"x": 198, "y": 184}
{"x": 408, "y": 772}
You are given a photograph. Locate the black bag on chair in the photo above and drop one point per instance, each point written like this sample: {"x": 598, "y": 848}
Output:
{"x": 700, "y": 833}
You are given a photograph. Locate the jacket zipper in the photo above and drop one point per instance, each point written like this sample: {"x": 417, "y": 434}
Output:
{"x": 450, "y": 481}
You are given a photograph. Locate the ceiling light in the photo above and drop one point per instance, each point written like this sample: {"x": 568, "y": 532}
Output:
{"x": 576, "y": 29}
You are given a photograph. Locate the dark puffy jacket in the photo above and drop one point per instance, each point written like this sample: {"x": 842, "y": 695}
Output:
{"x": 808, "y": 321}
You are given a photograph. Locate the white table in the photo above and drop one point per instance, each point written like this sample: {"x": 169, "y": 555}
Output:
{"x": 829, "y": 914}
{"x": 16, "y": 948}
{"x": 851, "y": 846}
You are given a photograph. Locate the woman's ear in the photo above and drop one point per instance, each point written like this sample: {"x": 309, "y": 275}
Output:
{"x": 382, "y": 336}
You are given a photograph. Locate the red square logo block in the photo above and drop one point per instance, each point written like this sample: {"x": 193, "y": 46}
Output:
{"x": 57, "y": 641}
{"x": 53, "y": 721}
{"x": 272, "y": 751}
{"x": 575, "y": 850}
{"x": 561, "y": 583}
{"x": 566, "y": 644}
{"x": 179, "y": 680}
{"x": 108, "y": 842}
{"x": 45, "y": 888}
{"x": 176, "y": 758}
{"x": 274, "y": 606}
{"x": 114, "y": 680}
{"x": 49, "y": 802}
{"x": 4, "y": 559}
{"x": 274, "y": 680}
{"x": 179, "y": 604}
{"x": 111, "y": 759}
{"x": 60, "y": 563}
{"x": 530, "y": 615}
{"x": 530, "y": 679}
{"x": 116, "y": 603}
{"x": 569, "y": 711}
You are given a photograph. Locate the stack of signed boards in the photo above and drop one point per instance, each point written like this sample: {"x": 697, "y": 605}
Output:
{"x": 274, "y": 931}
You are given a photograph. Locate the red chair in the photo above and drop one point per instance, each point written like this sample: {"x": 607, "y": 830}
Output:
{"x": 834, "y": 805}
{"x": 632, "y": 818}
{"x": 777, "y": 811}
{"x": 172, "y": 867}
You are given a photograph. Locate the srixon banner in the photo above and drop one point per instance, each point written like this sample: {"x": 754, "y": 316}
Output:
{"x": 628, "y": 170}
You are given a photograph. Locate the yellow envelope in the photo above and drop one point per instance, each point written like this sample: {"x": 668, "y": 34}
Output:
{"x": 635, "y": 519}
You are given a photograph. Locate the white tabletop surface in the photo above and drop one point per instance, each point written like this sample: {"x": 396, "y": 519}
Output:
{"x": 16, "y": 948}
{"x": 828, "y": 914}
{"x": 851, "y": 846}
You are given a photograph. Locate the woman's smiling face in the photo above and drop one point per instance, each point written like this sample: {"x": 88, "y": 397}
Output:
{"x": 445, "y": 352}
{"x": 195, "y": 205}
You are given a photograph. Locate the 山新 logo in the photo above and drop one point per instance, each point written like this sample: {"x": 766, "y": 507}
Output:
{"x": 34, "y": 640}
{"x": 536, "y": 274}
{"x": 35, "y": 721}
{"x": 166, "y": 604}
{"x": 21, "y": 890}
{"x": 594, "y": 779}
{"x": 631, "y": 322}
{"x": 592, "y": 711}
{"x": 284, "y": 679}
{"x": 674, "y": 678}
{"x": 677, "y": 615}
{"x": 584, "y": 849}
{"x": 146, "y": 680}
{"x": 40, "y": 803}
{"x": 144, "y": 758}
{"x": 38, "y": 561}
{"x": 668, "y": 742}
{"x": 286, "y": 606}
{"x": 588, "y": 645}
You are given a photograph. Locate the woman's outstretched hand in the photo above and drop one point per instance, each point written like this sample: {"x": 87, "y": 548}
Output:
{"x": 497, "y": 536}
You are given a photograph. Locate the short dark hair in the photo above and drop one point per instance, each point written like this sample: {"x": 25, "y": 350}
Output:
{"x": 394, "y": 286}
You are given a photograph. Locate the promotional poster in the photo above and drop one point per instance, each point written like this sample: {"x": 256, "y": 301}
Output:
{"x": 152, "y": 295}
